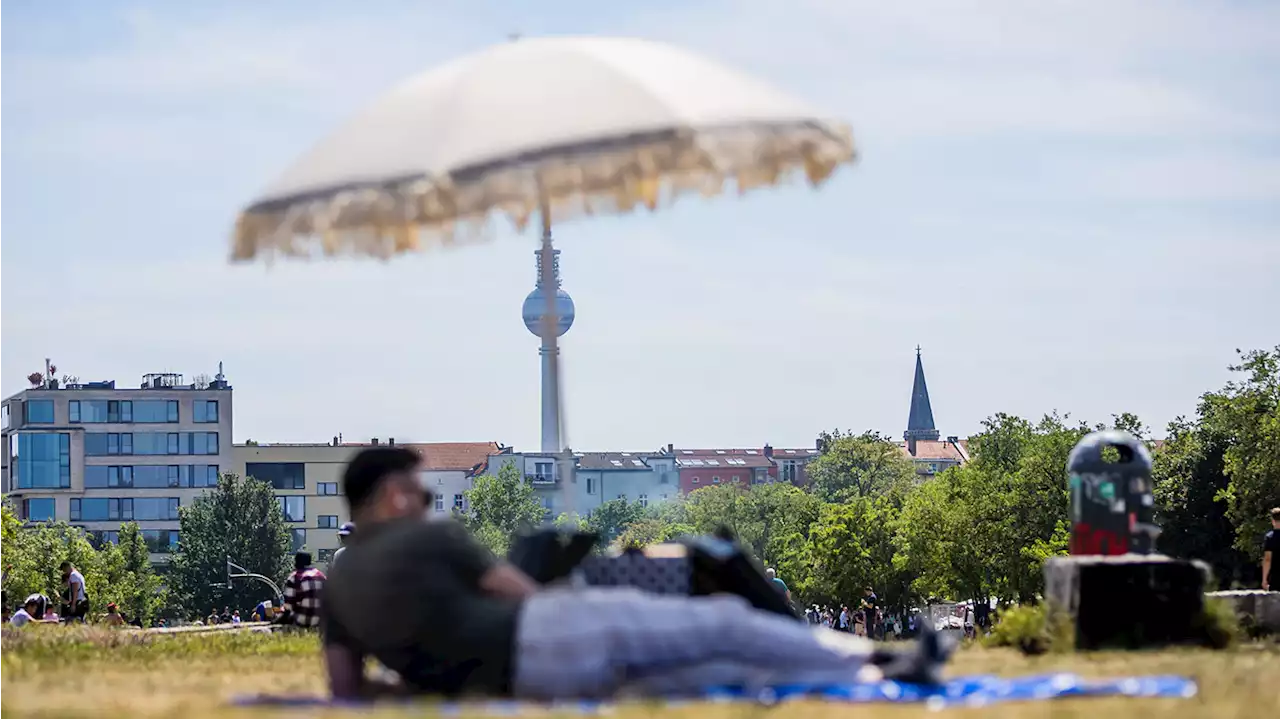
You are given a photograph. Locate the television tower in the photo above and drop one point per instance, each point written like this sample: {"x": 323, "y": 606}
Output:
{"x": 534, "y": 312}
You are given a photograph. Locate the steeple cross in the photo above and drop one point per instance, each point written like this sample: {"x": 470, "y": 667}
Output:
{"x": 917, "y": 350}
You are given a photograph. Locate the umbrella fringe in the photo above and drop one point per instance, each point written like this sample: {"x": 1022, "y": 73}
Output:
{"x": 416, "y": 213}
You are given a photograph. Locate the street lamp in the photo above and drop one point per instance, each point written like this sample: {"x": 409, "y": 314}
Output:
{"x": 235, "y": 571}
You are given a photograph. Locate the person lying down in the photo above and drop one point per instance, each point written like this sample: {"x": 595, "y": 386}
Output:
{"x": 430, "y": 603}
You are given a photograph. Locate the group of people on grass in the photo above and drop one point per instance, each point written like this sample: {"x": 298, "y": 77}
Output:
{"x": 74, "y": 605}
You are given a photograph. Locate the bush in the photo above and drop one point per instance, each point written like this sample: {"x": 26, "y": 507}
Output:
{"x": 1032, "y": 629}
{"x": 1219, "y": 626}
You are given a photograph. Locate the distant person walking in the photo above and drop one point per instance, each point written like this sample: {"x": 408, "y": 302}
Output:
{"x": 77, "y": 597}
{"x": 1270, "y": 550}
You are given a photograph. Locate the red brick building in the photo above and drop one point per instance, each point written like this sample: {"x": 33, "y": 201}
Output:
{"x": 700, "y": 468}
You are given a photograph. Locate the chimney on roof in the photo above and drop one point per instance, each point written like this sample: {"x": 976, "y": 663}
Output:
{"x": 374, "y": 441}
{"x": 768, "y": 451}
{"x": 671, "y": 448}
{"x": 391, "y": 440}
{"x": 335, "y": 441}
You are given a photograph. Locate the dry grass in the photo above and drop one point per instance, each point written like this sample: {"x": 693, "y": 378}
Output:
{"x": 50, "y": 671}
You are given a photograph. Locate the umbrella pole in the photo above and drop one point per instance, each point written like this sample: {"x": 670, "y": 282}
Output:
{"x": 551, "y": 346}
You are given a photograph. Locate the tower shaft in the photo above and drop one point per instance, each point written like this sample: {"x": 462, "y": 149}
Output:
{"x": 550, "y": 350}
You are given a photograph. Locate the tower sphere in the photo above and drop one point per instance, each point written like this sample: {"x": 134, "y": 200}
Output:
{"x": 535, "y": 307}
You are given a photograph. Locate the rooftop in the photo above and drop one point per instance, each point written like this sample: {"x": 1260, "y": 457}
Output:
{"x": 723, "y": 458}
{"x": 939, "y": 449}
{"x": 436, "y": 456}
{"x": 49, "y": 381}
{"x": 616, "y": 461}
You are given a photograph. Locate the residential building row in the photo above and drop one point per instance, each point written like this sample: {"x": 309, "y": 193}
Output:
{"x": 96, "y": 455}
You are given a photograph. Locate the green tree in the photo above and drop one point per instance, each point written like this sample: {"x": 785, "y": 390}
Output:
{"x": 240, "y": 519}
{"x": 985, "y": 529}
{"x": 612, "y": 518}
{"x": 771, "y": 521}
{"x": 1247, "y": 412}
{"x": 858, "y": 466}
{"x": 851, "y": 548}
{"x": 1190, "y": 479}
{"x": 500, "y": 505}
{"x": 650, "y": 530}
{"x": 142, "y": 592}
{"x": 32, "y": 555}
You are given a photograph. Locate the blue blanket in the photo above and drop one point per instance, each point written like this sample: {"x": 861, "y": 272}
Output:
{"x": 972, "y": 691}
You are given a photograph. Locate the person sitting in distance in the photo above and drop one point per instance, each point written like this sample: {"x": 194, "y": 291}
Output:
{"x": 449, "y": 618}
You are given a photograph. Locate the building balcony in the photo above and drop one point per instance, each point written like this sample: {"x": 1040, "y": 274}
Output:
{"x": 540, "y": 478}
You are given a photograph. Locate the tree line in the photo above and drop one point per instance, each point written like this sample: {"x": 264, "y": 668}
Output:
{"x": 865, "y": 519}
{"x": 977, "y": 531}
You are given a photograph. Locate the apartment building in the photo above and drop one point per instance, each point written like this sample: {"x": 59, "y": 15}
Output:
{"x": 95, "y": 455}
{"x": 307, "y": 480}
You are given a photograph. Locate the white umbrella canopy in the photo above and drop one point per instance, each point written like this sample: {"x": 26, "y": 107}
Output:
{"x": 573, "y": 126}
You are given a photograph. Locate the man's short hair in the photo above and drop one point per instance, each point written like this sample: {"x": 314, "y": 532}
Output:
{"x": 369, "y": 467}
{"x": 302, "y": 560}
{"x": 1275, "y": 514}
{"x": 64, "y": 565}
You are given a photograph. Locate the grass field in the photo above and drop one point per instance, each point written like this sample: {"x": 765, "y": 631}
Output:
{"x": 58, "y": 672}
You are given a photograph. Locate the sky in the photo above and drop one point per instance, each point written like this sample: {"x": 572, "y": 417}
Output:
{"x": 1070, "y": 206}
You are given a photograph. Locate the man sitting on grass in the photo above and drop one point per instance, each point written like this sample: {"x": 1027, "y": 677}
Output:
{"x": 434, "y": 606}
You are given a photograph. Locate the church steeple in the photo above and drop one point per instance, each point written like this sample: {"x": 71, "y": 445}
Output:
{"x": 920, "y": 420}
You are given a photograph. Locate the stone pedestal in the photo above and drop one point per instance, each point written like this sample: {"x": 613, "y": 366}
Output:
{"x": 1129, "y": 600}
{"x": 1255, "y": 606}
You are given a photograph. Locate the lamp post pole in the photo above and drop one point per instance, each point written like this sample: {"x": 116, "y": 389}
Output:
{"x": 235, "y": 571}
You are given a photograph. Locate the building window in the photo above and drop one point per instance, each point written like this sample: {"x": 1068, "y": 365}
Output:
{"x": 737, "y": 479}
{"x": 43, "y": 460}
{"x": 103, "y": 509}
{"x": 644, "y": 500}
{"x": 326, "y": 555}
{"x": 694, "y": 480}
{"x": 39, "y": 510}
{"x": 161, "y": 541}
{"x": 4, "y": 416}
{"x": 715, "y": 480}
{"x": 591, "y": 485}
{"x": 100, "y": 538}
{"x": 299, "y": 537}
{"x": 38, "y": 411}
{"x": 439, "y": 503}
{"x": 100, "y": 411}
{"x": 327, "y": 489}
{"x": 458, "y": 500}
{"x": 205, "y": 411}
{"x": 543, "y": 471}
{"x": 197, "y": 475}
{"x": 149, "y": 411}
{"x": 327, "y": 521}
{"x": 154, "y": 508}
{"x": 280, "y": 475}
{"x": 790, "y": 470}
{"x": 98, "y": 444}
{"x": 294, "y": 508}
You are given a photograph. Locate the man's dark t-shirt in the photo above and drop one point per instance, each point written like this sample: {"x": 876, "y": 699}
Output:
{"x": 407, "y": 593}
{"x": 1271, "y": 543}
